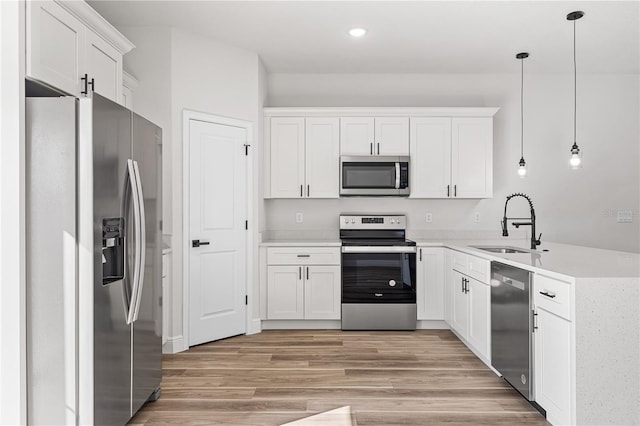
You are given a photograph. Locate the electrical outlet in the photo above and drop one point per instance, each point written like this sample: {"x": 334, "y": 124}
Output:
{"x": 625, "y": 216}
{"x": 299, "y": 218}
{"x": 429, "y": 217}
{"x": 476, "y": 217}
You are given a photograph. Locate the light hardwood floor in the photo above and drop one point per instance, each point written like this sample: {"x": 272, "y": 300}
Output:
{"x": 388, "y": 378}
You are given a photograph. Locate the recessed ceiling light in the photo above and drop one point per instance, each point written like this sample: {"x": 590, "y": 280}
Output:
{"x": 357, "y": 32}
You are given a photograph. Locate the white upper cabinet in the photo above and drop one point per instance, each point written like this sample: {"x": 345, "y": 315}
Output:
{"x": 451, "y": 157}
{"x": 304, "y": 157}
{"x": 66, "y": 41}
{"x": 356, "y": 135}
{"x": 104, "y": 66}
{"x": 430, "y": 166}
{"x": 322, "y": 163}
{"x": 374, "y": 136}
{"x": 287, "y": 157}
{"x": 472, "y": 157}
{"x": 54, "y": 40}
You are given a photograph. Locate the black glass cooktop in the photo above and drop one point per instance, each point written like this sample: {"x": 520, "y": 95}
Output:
{"x": 388, "y": 242}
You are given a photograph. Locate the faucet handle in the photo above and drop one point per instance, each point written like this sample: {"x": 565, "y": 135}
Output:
{"x": 538, "y": 240}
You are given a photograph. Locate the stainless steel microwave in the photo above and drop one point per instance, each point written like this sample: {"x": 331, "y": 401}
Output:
{"x": 376, "y": 175}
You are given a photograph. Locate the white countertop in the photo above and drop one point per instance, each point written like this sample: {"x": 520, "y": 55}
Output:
{"x": 564, "y": 259}
{"x": 561, "y": 259}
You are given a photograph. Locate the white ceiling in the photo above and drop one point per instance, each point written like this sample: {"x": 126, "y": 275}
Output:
{"x": 405, "y": 36}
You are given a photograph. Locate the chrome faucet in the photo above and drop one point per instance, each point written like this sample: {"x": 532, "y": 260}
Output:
{"x": 532, "y": 220}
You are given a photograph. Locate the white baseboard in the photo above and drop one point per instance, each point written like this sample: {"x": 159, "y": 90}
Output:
{"x": 255, "y": 326}
{"x": 432, "y": 325}
{"x": 301, "y": 325}
{"x": 174, "y": 345}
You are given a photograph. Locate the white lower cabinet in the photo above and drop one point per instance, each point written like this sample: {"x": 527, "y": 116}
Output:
{"x": 430, "y": 285}
{"x": 300, "y": 287}
{"x": 470, "y": 304}
{"x": 552, "y": 340}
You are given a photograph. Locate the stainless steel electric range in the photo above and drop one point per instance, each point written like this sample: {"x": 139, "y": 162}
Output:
{"x": 378, "y": 273}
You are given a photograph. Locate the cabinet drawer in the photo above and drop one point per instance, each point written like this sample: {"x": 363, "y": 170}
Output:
{"x": 479, "y": 268}
{"x": 552, "y": 295}
{"x": 303, "y": 255}
{"x": 460, "y": 262}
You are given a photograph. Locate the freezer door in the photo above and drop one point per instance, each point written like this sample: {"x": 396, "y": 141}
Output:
{"x": 147, "y": 328}
{"x": 112, "y": 335}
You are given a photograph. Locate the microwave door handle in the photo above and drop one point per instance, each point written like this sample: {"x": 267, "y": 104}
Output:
{"x": 397, "y": 175}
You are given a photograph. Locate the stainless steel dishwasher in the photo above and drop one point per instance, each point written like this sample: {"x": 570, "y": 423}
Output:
{"x": 512, "y": 326}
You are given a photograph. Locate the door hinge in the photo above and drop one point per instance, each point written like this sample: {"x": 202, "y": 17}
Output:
{"x": 246, "y": 224}
{"x": 246, "y": 300}
{"x": 246, "y": 149}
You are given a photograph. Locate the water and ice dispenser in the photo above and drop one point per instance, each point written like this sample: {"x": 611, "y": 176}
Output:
{"x": 112, "y": 250}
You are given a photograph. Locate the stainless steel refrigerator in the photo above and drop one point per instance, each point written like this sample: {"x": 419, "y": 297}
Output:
{"x": 94, "y": 242}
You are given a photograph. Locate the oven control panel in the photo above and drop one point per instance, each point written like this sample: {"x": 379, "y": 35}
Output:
{"x": 373, "y": 221}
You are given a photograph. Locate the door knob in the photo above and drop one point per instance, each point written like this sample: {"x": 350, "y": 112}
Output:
{"x": 198, "y": 243}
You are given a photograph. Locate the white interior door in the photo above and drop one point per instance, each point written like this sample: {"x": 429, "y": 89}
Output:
{"x": 217, "y": 210}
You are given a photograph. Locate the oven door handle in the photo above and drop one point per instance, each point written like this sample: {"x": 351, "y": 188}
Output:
{"x": 379, "y": 249}
{"x": 397, "y": 175}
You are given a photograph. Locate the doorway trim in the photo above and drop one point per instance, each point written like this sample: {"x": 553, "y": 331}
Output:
{"x": 187, "y": 116}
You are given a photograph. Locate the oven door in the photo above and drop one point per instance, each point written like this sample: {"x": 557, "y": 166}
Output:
{"x": 378, "y": 274}
{"x": 374, "y": 176}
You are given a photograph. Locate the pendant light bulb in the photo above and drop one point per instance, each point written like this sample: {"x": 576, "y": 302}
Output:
{"x": 575, "y": 161}
{"x": 522, "y": 168}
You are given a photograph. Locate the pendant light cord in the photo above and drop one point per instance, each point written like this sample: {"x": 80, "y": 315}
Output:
{"x": 521, "y": 108}
{"x": 575, "y": 84}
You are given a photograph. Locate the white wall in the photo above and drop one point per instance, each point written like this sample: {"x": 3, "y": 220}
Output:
{"x": 179, "y": 70}
{"x": 216, "y": 79}
{"x": 13, "y": 392}
{"x": 576, "y": 207}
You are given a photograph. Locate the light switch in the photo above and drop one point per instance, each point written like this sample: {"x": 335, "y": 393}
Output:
{"x": 299, "y": 218}
{"x": 429, "y": 217}
{"x": 476, "y": 217}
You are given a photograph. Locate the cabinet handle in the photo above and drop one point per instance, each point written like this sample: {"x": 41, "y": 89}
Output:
{"x": 303, "y": 255}
{"x": 301, "y": 190}
{"x": 420, "y": 255}
{"x": 307, "y": 273}
{"x": 462, "y": 284}
{"x": 300, "y": 273}
{"x": 548, "y": 294}
{"x": 448, "y": 190}
{"x": 371, "y": 148}
{"x": 85, "y": 80}
{"x": 534, "y": 320}
{"x": 378, "y": 148}
{"x": 308, "y": 186}
{"x": 92, "y": 84}
{"x": 455, "y": 190}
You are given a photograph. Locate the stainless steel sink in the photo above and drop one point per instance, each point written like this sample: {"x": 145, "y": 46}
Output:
{"x": 502, "y": 249}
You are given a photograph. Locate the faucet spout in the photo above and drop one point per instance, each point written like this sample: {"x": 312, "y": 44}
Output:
{"x": 505, "y": 233}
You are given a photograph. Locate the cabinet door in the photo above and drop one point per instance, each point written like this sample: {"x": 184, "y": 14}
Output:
{"x": 430, "y": 143}
{"x": 287, "y": 157}
{"x": 472, "y": 157}
{"x": 55, "y": 46}
{"x": 356, "y": 136}
{"x": 322, "y": 152}
{"x": 391, "y": 136}
{"x": 322, "y": 292}
{"x": 103, "y": 64}
{"x": 285, "y": 292}
{"x": 479, "y": 317}
{"x": 459, "y": 305}
{"x": 553, "y": 366}
{"x": 430, "y": 283}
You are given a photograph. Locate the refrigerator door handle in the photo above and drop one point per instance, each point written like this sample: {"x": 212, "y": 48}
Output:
{"x": 142, "y": 243}
{"x": 135, "y": 195}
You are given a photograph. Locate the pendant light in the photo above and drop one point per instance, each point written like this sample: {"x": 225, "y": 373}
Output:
{"x": 522, "y": 165}
{"x": 575, "y": 161}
